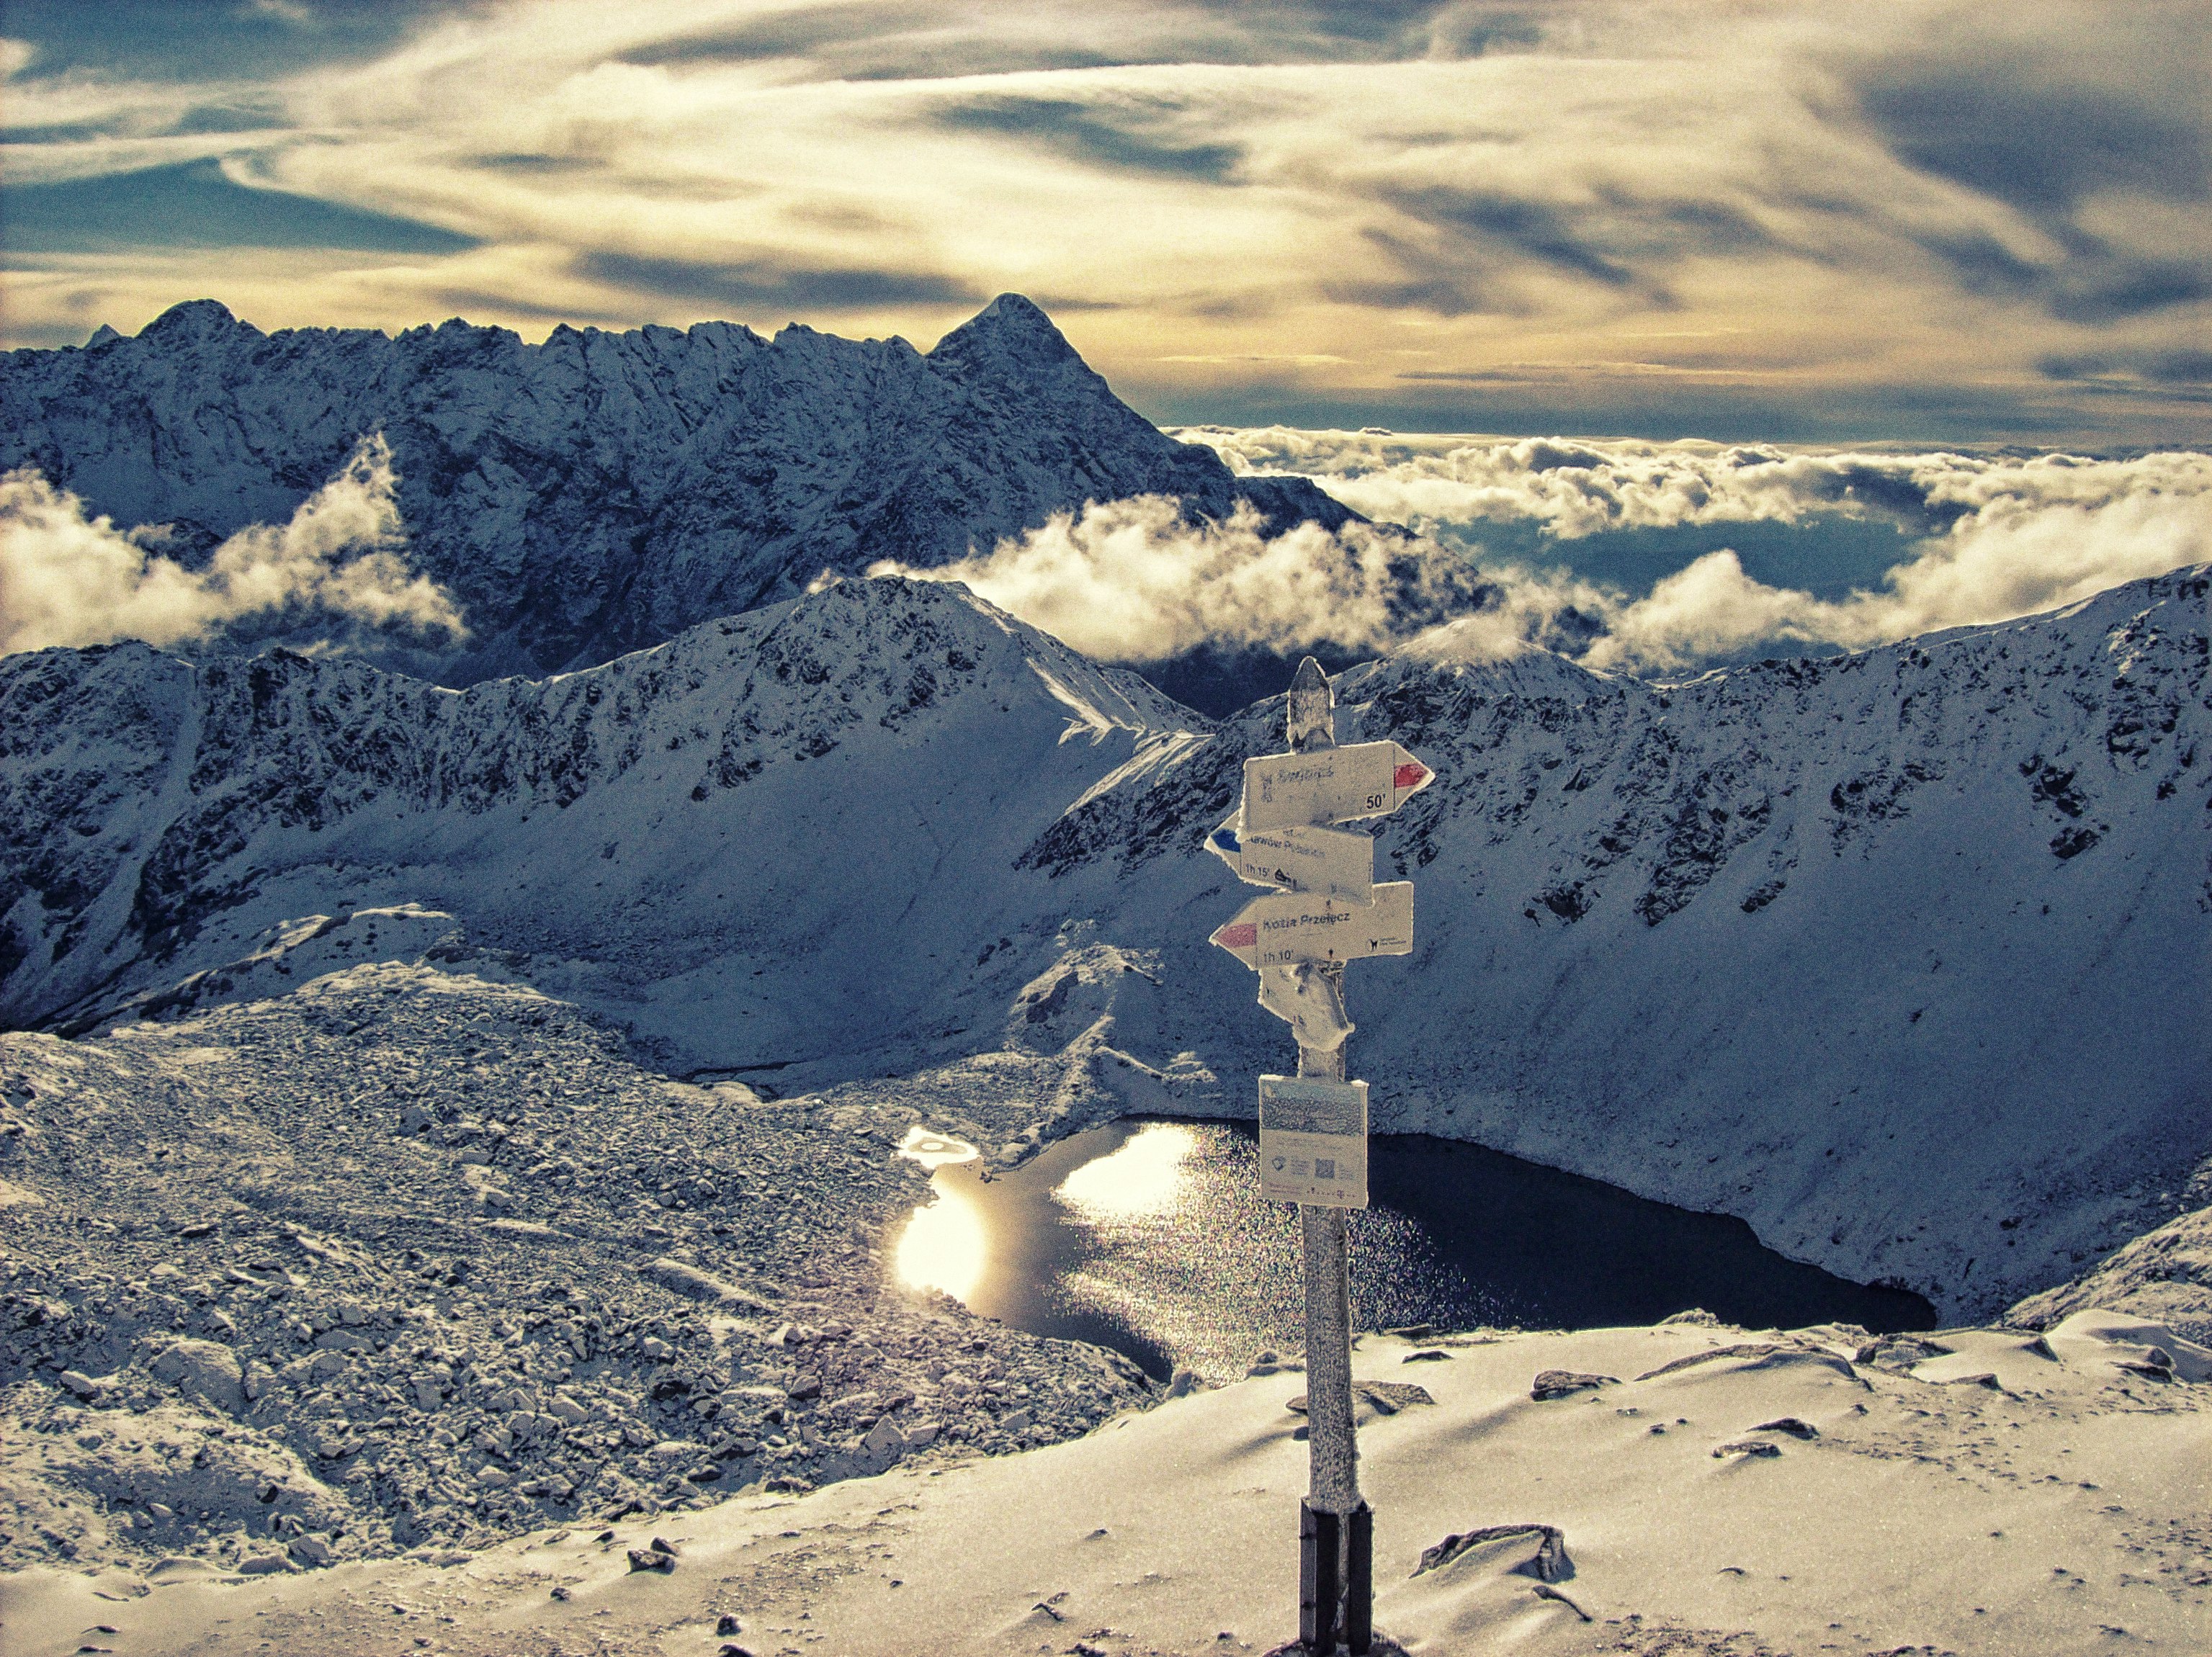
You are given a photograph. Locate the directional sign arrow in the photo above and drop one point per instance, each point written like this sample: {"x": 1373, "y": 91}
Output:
{"x": 1329, "y": 785}
{"x": 1324, "y": 862}
{"x": 1288, "y": 927}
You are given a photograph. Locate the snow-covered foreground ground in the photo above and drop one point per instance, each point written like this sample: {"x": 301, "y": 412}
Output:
{"x": 1732, "y": 1492}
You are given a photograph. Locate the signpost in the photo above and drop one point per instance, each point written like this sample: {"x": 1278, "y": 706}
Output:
{"x": 1313, "y": 1127}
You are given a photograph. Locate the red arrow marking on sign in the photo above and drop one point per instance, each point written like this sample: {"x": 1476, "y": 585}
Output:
{"x": 1412, "y": 774}
{"x": 1238, "y": 937}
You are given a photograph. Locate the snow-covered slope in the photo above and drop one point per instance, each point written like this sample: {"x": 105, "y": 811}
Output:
{"x": 602, "y": 492}
{"x": 775, "y": 839}
{"x": 1903, "y": 957}
{"x": 1733, "y": 1493}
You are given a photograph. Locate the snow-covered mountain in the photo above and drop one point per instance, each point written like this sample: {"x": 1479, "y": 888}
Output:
{"x": 602, "y": 492}
{"x": 1905, "y": 956}
{"x": 769, "y": 840}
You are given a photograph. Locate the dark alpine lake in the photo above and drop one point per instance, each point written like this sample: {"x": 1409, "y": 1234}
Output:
{"x": 1150, "y": 1237}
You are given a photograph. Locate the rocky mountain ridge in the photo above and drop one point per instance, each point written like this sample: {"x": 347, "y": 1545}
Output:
{"x": 601, "y": 492}
{"x": 1903, "y": 957}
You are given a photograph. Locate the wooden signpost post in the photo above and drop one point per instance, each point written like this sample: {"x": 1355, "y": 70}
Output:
{"x": 1313, "y": 1127}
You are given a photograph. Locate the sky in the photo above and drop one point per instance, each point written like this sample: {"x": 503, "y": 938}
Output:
{"x": 1906, "y": 222}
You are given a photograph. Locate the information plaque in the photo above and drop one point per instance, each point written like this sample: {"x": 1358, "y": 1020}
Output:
{"x": 1313, "y": 1141}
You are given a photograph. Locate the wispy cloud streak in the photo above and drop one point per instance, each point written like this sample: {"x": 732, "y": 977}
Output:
{"x": 1922, "y": 219}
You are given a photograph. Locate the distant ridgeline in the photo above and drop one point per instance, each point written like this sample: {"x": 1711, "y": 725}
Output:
{"x": 602, "y": 492}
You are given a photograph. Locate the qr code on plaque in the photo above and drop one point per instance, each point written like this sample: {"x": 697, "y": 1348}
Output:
{"x": 1324, "y": 1168}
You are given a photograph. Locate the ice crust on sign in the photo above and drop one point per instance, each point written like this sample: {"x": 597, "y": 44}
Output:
{"x": 1299, "y": 1104}
{"x": 1311, "y": 1000}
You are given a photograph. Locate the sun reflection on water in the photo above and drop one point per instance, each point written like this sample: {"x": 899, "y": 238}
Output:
{"x": 944, "y": 1245}
{"x": 1143, "y": 1178}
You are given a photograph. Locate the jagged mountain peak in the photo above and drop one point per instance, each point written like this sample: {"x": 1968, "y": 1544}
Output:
{"x": 601, "y": 492}
{"x": 193, "y": 320}
{"x": 1010, "y": 333}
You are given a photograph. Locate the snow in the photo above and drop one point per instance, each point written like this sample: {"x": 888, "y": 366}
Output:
{"x": 1988, "y": 1491}
{"x": 356, "y": 1208}
{"x": 421, "y": 1255}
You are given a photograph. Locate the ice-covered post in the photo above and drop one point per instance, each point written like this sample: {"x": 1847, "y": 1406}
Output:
{"x": 1313, "y": 1128}
{"x": 1336, "y": 1526}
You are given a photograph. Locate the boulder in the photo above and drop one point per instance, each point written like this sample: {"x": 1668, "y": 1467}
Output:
{"x": 1563, "y": 1383}
{"x": 205, "y": 1371}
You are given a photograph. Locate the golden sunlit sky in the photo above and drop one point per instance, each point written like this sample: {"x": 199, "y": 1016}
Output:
{"x": 1905, "y": 222}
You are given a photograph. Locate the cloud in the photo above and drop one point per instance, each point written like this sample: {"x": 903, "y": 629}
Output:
{"x": 2013, "y": 555}
{"x": 1575, "y": 488}
{"x": 901, "y": 40}
{"x": 182, "y": 39}
{"x": 1453, "y": 213}
{"x": 2184, "y": 374}
{"x": 2091, "y": 150}
{"x": 749, "y": 285}
{"x": 2019, "y": 127}
{"x": 1995, "y": 538}
{"x": 69, "y": 580}
{"x": 1100, "y": 137}
{"x": 1135, "y": 580}
{"x": 1483, "y": 229}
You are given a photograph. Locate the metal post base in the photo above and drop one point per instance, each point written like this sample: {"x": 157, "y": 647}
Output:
{"x": 1336, "y": 1579}
{"x": 1359, "y": 1580}
{"x": 1321, "y": 1541}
